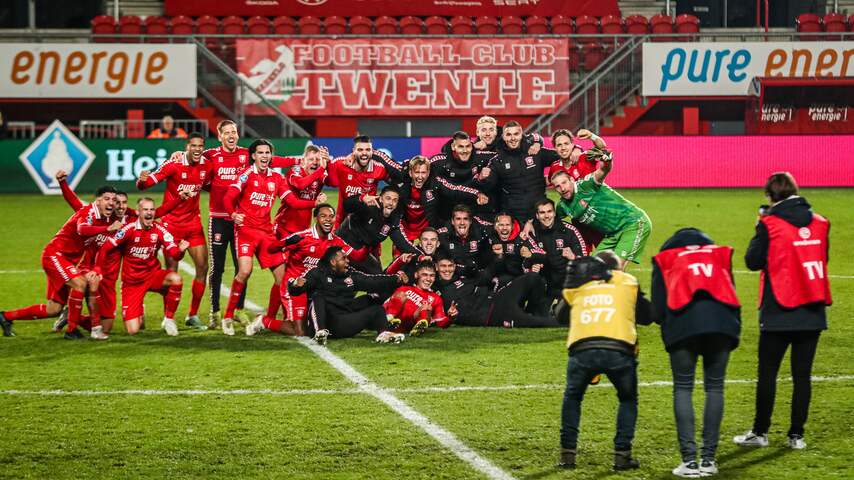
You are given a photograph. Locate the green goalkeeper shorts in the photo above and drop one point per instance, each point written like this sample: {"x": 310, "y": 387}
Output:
{"x": 629, "y": 242}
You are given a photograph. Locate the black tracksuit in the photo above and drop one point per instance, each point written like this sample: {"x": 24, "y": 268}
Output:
{"x": 521, "y": 181}
{"x": 366, "y": 227}
{"x": 471, "y": 254}
{"x": 221, "y": 241}
{"x": 511, "y": 264}
{"x": 522, "y": 302}
{"x": 333, "y": 304}
{"x": 450, "y": 171}
{"x": 780, "y": 327}
{"x": 553, "y": 240}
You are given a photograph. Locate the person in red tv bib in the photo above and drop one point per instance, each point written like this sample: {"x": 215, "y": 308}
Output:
{"x": 790, "y": 248}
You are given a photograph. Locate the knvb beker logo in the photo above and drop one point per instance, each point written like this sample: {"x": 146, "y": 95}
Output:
{"x": 56, "y": 149}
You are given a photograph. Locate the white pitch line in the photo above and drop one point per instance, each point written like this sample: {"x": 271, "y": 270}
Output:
{"x": 444, "y": 437}
{"x": 357, "y": 391}
{"x": 3, "y": 272}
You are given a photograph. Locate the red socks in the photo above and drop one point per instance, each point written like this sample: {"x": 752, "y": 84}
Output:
{"x": 236, "y": 290}
{"x": 33, "y": 312}
{"x": 171, "y": 300}
{"x": 198, "y": 292}
{"x": 275, "y": 302}
{"x": 94, "y": 312}
{"x": 272, "y": 324}
{"x": 75, "y": 305}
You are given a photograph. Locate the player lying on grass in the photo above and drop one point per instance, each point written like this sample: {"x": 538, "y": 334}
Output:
{"x": 141, "y": 270}
{"x": 65, "y": 283}
{"x": 413, "y": 308}
{"x": 334, "y": 309}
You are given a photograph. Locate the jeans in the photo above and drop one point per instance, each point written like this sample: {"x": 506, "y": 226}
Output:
{"x": 683, "y": 362}
{"x": 772, "y": 348}
{"x": 621, "y": 369}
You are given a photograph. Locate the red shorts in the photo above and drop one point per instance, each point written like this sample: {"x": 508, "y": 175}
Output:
{"x": 133, "y": 294}
{"x": 59, "y": 270}
{"x": 192, "y": 233}
{"x": 294, "y": 305}
{"x": 253, "y": 242}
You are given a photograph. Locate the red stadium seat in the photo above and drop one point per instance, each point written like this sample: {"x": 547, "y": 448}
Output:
{"x": 851, "y": 22}
{"x": 208, "y": 25}
{"x": 156, "y": 25}
{"x": 637, "y": 24}
{"x": 562, "y": 25}
{"x": 613, "y": 25}
{"x": 259, "y": 26}
{"x": 104, "y": 24}
{"x": 335, "y": 25}
{"x": 385, "y": 26}
{"x": 535, "y": 25}
{"x": 809, "y": 23}
{"x": 486, "y": 25}
{"x": 410, "y": 25}
{"x": 360, "y": 25}
{"x": 436, "y": 26}
{"x": 284, "y": 26}
{"x": 834, "y": 22}
{"x": 661, "y": 24}
{"x": 182, "y": 25}
{"x": 687, "y": 23}
{"x": 462, "y": 26}
{"x": 593, "y": 55}
{"x": 574, "y": 59}
{"x": 586, "y": 25}
{"x": 310, "y": 25}
{"x": 130, "y": 25}
{"x": 512, "y": 25}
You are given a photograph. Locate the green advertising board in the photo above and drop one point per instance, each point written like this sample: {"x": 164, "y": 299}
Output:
{"x": 115, "y": 162}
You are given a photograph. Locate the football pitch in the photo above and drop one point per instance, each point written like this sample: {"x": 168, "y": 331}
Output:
{"x": 461, "y": 403}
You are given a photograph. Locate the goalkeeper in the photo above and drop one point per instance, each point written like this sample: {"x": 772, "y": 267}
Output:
{"x": 590, "y": 202}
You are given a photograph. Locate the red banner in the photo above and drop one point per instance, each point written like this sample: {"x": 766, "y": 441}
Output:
{"x": 414, "y": 77}
{"x": 394, "y": 8}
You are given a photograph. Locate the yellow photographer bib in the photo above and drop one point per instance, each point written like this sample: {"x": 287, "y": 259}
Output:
{"x": 603, "y": 309}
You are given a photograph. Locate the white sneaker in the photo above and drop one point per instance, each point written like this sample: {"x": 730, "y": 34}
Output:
{"x": 98, "y": 333}
{"x": 708, "y": 468}
{"x": 256, "y": 326}
{"x": 796, "y": 442}
{"x": 751, "y": 439}
{"x": 390, "y": 337}
{"x": 321, "y": 336}
{"x": 228, "y": 326}
{"x": 687, "y": 470}
{"x": 169, "y": 325}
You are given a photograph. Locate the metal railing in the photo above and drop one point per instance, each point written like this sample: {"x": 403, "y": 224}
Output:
{"x": 19, "y": 130}
{"x": 135, "y": 128}
{"x": 102, "y": 129}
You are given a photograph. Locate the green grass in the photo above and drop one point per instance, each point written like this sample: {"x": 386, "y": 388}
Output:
{"x": 337, "y": 432}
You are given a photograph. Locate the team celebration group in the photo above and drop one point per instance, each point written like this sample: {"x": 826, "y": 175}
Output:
{"x": 475, "y": 242}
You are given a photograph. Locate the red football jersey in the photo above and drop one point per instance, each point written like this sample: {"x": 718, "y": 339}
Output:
{"x": 578, "y": 171}
{"x": 254, "y": 194}
{"x": 294, "y": 214}
{"x": 354, "y": 182}
{"x": 139, "y": 250}
{"x": 181, "y": 175}
{"x": 113, "y": 260}
{"x": 415, "y": 298}
{"x": 309, "y": 245}
{"x": 414, "y": 216}
{"x": 70, "y": 240}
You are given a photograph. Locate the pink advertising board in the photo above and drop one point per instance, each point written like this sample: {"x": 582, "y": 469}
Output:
{"x": 712, "y": 162}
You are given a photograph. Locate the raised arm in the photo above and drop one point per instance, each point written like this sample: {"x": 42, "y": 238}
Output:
{"x": 67, "y": 193}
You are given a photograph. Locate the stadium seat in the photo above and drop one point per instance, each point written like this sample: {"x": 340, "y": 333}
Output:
{"x": 410, "y": 25}
{"x": 561, "y": 25}
{"x": 486, "y": 25}
{"x": 593, "y": 55}
{"x": 360, "y": 25}
{"x": 586, "y": 25}
{"x": 834, "y": 22}
{"x": 385, "y": 25}
{"x": 232, "y": 25}
{"x": 104, "y": 24}
{"x": 335, "y": 25}
{"x": 809, "y": 23}
{"x": 462, "y": 26}
{"x": 182, "y": 25}
{"x": 574, "y": 59}
{"x": 637, "y": 25}
{"x": 130, "y": 25}
{"x": 512, "y": 25}
{"x": 687, "y": 23}
{"x": 310, "y": 25}
{"x": 156, "y": 25}
{"x": 613, "y": 25}
{"x": 851, "y": 22}
{"x": 258, "y": 26}
{"x": 436, "y": 26}
{"x": 208, "y": 25}
{"x": 661, "y": 24}
{"x": 284, "y": 26}
{"x": 535, "y": 25}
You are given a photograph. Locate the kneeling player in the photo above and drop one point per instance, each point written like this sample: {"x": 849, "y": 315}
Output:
{"x": 141, "y": 269}
{"x": 413, "y": 308}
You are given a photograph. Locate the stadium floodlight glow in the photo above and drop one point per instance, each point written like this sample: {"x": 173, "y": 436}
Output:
{"x": 57, "y": 148}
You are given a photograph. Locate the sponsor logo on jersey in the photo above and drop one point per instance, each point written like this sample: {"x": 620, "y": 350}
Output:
{"x": 583, "y": 203}
{"x": 242, "y": 158}
{"x": 473, "y": 245}
{"x": 529, "y": 161}
{"x": 217, "y": 237}
{"x": 559, "y": 242}
{"x": 804, "y": 233}
{"x": 243, "y": 178}
{"x": 183, "y": 175}
{"x": 507, "y": 166}
{"x": 429, "y": 194}
{"x": 271, "y": 186}
{"x": 311, "y": 249}
{"x": 348, "y": 281}
{"x": 153, "y": 237}
{"x": 370, "y": 181}
{"x": 120, "y": 234}
{"x": 135, "y": 239}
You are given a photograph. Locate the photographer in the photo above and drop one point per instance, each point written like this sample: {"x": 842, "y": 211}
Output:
{"x": 790, "y": 247}
{"x": 605, "y": 304}
{"x": 695, "y": 302}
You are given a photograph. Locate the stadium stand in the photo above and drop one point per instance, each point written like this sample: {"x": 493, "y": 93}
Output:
{"x": 259, "y": 26}
{"x": 411, "y": 26}
{"x": 561, "y": 25}
{"x": 436, "y": 26}
{"x": 310, "y": 26}
{"x": 361, "y": 26}
{"x": 486, "y": 25}
{"x": 536, "y": 25}
{"x": 335, "y": 25}
{"x": 385, "y": 26}
{"x": 284, "y": 26}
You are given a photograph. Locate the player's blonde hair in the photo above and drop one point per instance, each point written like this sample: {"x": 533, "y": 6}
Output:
{"x": 310, "y": 148}
{"x": 417, "y": 161}
{"x": 486, "y": 119}
{"x": 223, "y": 124}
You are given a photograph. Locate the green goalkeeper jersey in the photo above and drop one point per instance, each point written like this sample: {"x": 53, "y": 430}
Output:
{"x": 600, "y": 207}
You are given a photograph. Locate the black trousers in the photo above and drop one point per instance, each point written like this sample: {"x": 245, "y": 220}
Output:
{"x": 362, "y": 314}
{"x": 221, "y": 240}
{"x": 772, "y": 348}
{"x": 524, "y": 302}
